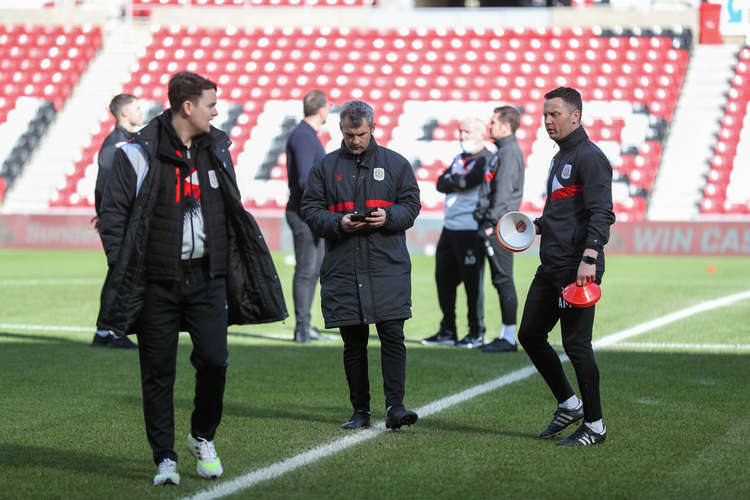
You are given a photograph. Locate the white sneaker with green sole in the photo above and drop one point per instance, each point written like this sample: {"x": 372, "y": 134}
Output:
{"x": 209, "y": 465}
{"x": 167, "y": 473}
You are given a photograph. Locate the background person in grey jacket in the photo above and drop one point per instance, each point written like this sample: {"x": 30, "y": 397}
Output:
{"x": 362, "y": 198}
{"x": 459, "y": 256}
{"x": 500, "y": 194}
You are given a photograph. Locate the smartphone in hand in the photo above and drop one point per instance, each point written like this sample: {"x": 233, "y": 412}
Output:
{"x": 355, "y": 217}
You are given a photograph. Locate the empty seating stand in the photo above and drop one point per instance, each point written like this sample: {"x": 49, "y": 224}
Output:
{"x": 726, "y": 189}
{"x": 41, "y": 64}
{"x": 44, "y": 61}
{"x": 621, "y": 74}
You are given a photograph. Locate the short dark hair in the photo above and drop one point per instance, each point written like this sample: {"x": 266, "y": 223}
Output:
{"x": 314, "y": 101}
{"x": 570, "y": 95}
{"x": 357, "y": 111}
{"x": 120, "y": 101}
{"x": 509, "y": 115}
{"x": 186, "y": 86}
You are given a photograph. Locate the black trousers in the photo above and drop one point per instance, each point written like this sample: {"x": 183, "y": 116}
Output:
{"x": 195, "y": 303}
{"x": 393, "y": 362}
{"x": 459, "y": 258}
{"x": 501, "y": 269}
{"x": 309, "y": 251}
{"x": 544, "y": 306}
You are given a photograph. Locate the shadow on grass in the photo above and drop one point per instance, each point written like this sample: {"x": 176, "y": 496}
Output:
{"x": 441, "y": 424}
{"x": 19, "y": 457}
{"x": 302, "y": 413}
{"x": 44, "y": 338}
{"x": 293, "y": 388}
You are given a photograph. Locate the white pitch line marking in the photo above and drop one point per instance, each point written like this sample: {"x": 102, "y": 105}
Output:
{"x": 55, "y": 328}
{"x": 682, "y": 345}
{"x": 72, "y": 281}
{"x": 671, "y": 318}
{"x": 623, "y": 345}
{"x": 279, "y": 468}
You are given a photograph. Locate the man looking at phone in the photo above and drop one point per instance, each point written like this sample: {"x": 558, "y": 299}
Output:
{"x": 362, "y": 198}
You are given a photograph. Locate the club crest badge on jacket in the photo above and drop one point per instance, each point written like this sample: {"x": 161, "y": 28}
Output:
{"x": 378, "y": 174}
{"x": 567, "y": 169}
{"x": 212, "y": 179}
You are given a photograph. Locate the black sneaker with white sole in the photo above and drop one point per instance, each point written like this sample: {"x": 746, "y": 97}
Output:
{"x": 584, "y": 436}
{"x": 471, "y": 341}
{"x": 122, "y": 342}
{"x": 101, "y": 341}
{"x": 563, "y": 419}
{"x": 443, "y": 337}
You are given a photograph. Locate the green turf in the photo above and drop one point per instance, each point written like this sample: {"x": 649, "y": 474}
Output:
{"x": 678, "y": 422}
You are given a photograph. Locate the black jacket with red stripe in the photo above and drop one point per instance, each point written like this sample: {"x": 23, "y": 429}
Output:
{"x": 365, "y": 276}
{"x": 578, "y": 210}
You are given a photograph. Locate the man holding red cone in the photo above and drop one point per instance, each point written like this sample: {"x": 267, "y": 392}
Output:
{"x": 574, "y": 228}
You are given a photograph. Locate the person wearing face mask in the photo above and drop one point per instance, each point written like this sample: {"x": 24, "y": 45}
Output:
{"x": 361, "y": 199}
{"x": 459, "y": 256}
{"x": 500, "y": 194}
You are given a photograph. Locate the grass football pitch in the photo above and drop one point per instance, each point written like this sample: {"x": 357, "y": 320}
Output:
{"x": 674, "y": 394}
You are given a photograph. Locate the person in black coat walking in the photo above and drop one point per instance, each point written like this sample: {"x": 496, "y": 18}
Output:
{"x": 183, "y": 255}
{"x": 126, "y": 109}
{"x": 129, "y": 116}
{"x": 574, "y": 228}
{"x": 362, "y": 198}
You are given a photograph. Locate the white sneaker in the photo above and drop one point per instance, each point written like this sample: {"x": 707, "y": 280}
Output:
{"x": 167, "y": 473}
{"x": 209, "y": 465}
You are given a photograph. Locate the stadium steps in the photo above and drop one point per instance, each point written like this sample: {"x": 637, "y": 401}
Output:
{"x": 68, "y": 134}
{"x": 678, "y": 186}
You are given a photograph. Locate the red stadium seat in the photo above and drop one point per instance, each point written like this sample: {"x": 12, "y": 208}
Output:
{"x": 389, "y": 66}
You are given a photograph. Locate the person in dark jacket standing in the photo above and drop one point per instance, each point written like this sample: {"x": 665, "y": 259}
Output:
{"x": 362, "y": 198}
{"x": 574, "y": 227}
{"x": 303, "y": 150}
{"x": 459, "y": 256}
{"x": 182, "y": 254}
{"x": 501, "y": 193}
{"x": 129, "y": 116}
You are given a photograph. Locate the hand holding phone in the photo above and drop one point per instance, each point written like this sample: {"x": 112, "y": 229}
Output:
{"x": 357, "y": 217}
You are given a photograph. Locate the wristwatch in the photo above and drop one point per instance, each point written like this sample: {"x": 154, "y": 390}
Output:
{"x": 587, "y": 259}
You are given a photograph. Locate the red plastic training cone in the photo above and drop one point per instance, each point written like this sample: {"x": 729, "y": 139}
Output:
{"x": 582, "y": 296}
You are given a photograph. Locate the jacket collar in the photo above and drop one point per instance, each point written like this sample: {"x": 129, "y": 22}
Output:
{"x": 366, "y": 154}
{"x": 504, "y": 141}
{"x": 572, "y": 139}
{"x": 123, "y": 130}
